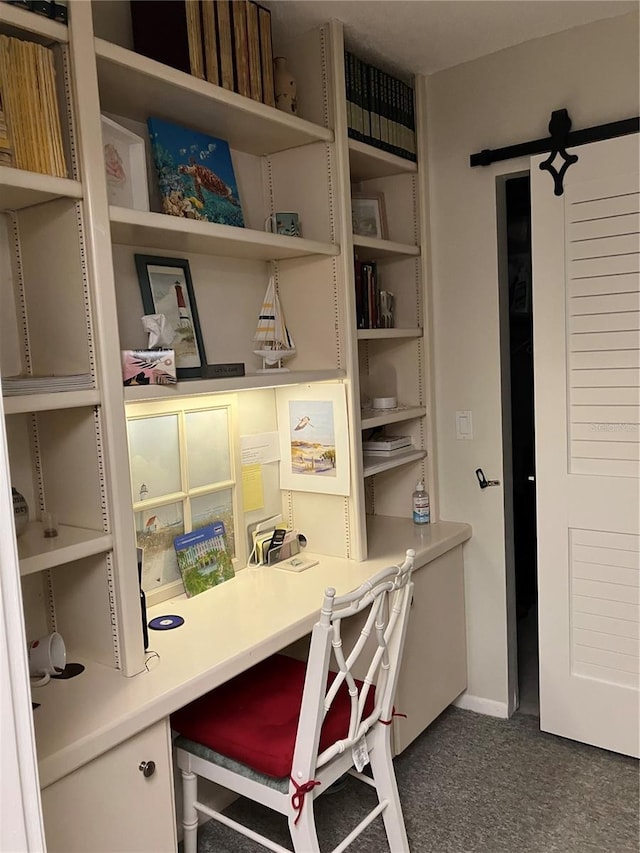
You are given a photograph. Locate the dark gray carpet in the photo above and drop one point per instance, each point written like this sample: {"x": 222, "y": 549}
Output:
{"x": 476, "y": 784}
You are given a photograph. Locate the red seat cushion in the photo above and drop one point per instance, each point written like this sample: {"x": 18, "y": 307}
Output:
{"x": 254, "y": 717}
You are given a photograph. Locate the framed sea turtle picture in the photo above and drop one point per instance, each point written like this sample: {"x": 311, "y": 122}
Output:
{"x": 195, "y": 174}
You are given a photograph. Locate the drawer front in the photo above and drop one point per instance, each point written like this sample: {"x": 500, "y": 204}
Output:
{"x": 111, "y": 806}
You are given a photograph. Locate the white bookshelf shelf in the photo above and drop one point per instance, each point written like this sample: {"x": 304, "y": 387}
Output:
{"x": 374, "y": 464}
{"x": 159, "y": 231}
{"x": 387, "y": 334}
{"x": 367, "y": 161}
{"x": 379, "y": 417}
{"x": 371, "y": 249}
{"x": 20, "y": 189}
{"x": 13, "y": 17}
{"x": 37, "y": 554}
{"x": 239, "y": 383}
{"x": 129, "y": 83}
{"x": 20, "y": 403}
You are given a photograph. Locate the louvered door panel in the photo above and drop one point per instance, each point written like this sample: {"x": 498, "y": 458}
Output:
{"x": 586, "y": 308}
{"x": 603, "y": 335}
{"x": 605, "y": 591}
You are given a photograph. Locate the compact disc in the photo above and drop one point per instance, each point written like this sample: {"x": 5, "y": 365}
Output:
{"x": 166, "y": 623}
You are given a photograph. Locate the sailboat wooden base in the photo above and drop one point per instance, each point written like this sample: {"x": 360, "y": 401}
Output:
{"x": 273, "y": 370}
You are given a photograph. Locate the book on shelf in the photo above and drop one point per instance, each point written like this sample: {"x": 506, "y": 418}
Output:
{"x": 374, "y": 307}
{"x": 240, "y": 48}
{"x": 203, "y": 558}
{"x": 170, "y": 31}
{"x": 380, "y": 109}
{"x": 6, "y": 148}
{"x": 387, "y": 454}
{"x": 195, "y": 174}
{"x": 56, "y": 11}
{"x": 31, "y": 135}
{"x": 210, "y": 42}
{"x": 43, "y": 384}
{"x": 266, "y": 55}
{"x": 386, "y": 443}
{"x": 225, "y": 42}
{"x": 253, "y": 41}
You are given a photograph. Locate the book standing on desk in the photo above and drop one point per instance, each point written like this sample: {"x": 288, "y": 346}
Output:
{"x": 203, "y": 558}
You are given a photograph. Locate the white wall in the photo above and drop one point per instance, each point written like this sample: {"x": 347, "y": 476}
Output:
{"x": 495, "y": 101}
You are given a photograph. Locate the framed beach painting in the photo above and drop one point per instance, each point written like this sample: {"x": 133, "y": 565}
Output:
{"x": 314, "y": 439}
{"x": 195, "y": 174}
{"x": 167, "y": 289}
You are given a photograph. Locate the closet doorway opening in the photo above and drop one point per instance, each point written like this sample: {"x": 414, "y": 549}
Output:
{"x": 516, "y": 307}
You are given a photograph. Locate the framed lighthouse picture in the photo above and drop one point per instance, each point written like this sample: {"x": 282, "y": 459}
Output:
{"x": 167, "y": 289}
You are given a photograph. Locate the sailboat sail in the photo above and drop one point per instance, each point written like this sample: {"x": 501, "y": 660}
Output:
{"x": 272, "y": 335}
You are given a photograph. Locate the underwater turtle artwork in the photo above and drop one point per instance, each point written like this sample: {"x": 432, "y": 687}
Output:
{"x": 204, "y": 178}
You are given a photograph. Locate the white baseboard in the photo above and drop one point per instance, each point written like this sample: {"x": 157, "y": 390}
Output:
{"x": 489, "y": 707}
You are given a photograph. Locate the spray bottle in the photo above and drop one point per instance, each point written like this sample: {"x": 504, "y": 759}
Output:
{"x": 421, "y": 511}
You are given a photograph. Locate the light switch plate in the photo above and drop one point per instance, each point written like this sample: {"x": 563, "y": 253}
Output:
{"x": 464, "y": 425}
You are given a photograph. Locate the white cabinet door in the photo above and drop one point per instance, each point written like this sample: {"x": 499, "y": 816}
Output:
{"x": 433, "y": 671}
{"x": 110, "y": 806}
{"x": 586, "y": 298}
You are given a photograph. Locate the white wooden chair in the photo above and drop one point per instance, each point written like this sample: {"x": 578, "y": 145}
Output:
{"x": 284, "y": 731}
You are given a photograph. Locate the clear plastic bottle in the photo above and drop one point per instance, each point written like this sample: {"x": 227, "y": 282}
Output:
{"x": 421, "y": 509}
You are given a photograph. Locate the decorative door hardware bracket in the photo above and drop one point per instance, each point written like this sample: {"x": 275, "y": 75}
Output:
{"x": 559, "y": 128}
{"x": 561, "y": 137}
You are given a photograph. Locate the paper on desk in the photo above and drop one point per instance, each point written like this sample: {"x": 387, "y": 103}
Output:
{"x": 252, "y": 487}
{"x": 263, "y": 447}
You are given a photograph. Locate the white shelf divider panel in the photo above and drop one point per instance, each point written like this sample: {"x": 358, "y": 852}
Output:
{"x": 172, "y": 233}
{"x": 130, "y": 83}
{"x": 380, "y": 417}
{"x": 372, "y": 249}
{"x": 72, "y": 543}
{"x": 238, "y": 383}
{"x": 20, "y": 189}
{"x": 38, "y": 25}
{"x": 21, "y": 403}
{"x": 374, "y": 464}
{"x": 367, "y": 162}
{"x": 387, "y": 334}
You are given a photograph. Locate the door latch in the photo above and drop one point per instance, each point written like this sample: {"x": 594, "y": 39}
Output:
{"x": 482, "y": 480}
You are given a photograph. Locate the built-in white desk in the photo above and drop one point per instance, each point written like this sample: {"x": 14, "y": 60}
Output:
{"x": 226, "y": 630}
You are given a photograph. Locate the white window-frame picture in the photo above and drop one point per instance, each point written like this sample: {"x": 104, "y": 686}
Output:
{"x": 125, "y": 166}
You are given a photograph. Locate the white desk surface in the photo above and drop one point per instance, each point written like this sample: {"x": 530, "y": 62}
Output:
{"x": 226, "y": 630}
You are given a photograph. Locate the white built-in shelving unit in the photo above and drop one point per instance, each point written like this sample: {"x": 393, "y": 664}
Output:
{"x": 76, "y": 302}
{"x": 71, "y": 302}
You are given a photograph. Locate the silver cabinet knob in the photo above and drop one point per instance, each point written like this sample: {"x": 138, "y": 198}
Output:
{"x": 147, "y": 768}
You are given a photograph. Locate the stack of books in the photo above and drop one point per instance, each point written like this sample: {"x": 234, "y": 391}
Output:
{"x": 380, "y": 109}
{"x": 21, "y": 385}
{"x": 227, "y": 43}
{"x": 374, "y": 307}
{"x": 387, "y": 445}
{"x": 30, "y": 130}
{"x": 56, "y": 10}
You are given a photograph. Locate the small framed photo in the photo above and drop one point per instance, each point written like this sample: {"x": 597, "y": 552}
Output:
{"x": 368, "y": 217}
{"x": 167, "y": 289}
{"x": 125, "y": 166}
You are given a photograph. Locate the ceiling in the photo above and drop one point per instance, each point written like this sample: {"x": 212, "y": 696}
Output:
{"x": 424, "y": 36}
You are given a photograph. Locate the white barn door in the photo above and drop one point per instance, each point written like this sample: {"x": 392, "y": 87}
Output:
{"x": 586, "y": 308}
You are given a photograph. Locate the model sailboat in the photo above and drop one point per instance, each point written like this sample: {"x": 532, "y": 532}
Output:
{"x": 272, "y": 336}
